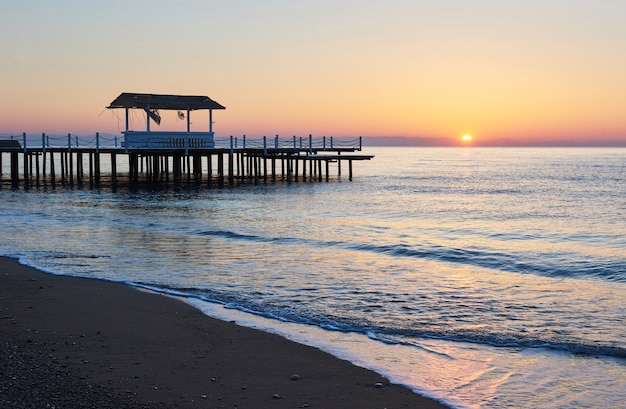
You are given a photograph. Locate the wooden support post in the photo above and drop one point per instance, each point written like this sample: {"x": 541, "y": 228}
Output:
{"x": 255, "y": 167}
{"x": 63, "y": 159}
{"x": 288, "y": 164}
{"x": 350, "y": 169}
{"x": 327, "y": 169}
{"x": 176, "y": 159}
{"x": 15, "y": 168}
{"x": 133, "y": 166}
{"x": 155, "y": 167}
{"x": 197, "y": 164}
{"x": 37, "y": 167}
{"x": 319, "y": 170}
{"x": 71, "y": 167}
{"x": 26, "y": 173}
{"x": 91, "y": 167}
{"x": 231, "y": 168}
{"x": 220, "y": 168}
{"x": 114, "y": 166}
{"x": 130, "y": 165}
{"x": 97, "y": 167}
{"x": 79, "y": 165}
{"x": 52, "y": 174}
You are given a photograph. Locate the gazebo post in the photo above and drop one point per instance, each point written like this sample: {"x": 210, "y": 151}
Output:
{"x": 148, "y": 118}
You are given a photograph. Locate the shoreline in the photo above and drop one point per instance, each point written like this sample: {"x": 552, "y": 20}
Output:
{"x": 112, "y": 345}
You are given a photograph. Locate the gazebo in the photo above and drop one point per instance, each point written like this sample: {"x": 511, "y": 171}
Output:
{"x": 151, "y": 104}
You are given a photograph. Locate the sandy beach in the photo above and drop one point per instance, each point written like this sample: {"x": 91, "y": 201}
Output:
{"x": 82, "y": 343}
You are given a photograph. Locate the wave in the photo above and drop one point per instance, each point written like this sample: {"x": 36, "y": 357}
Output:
{"x": 568, "y": 265}
{"x": 502, "y": 341}
{"x": 391, "y": 336}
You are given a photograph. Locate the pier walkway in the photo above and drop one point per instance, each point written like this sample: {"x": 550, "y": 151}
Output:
{"x": 28, "y": 160}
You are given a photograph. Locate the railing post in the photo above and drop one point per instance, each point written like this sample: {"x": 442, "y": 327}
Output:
{"x": 97, "y": 142}
{"x": 294, "y": 142}
{"x": 360, "y": 142}
{"x": 232, "y": 146}
{"x": 276, "y": 142}
{"x": 331, "y": 143}
{"x": 69, "y": 142}
{"x": 24, "y": 140}
{"x": 264, "y": 146}
{"x": 76, "y": 139}
{"x": 47, "y": 141}
{"x": 324, "y": 143}
{"x": 43, "y": 141}
{"x": 244, "y": 141}
{"x": 310, "y": 143}
{"x": 116, "y": 141}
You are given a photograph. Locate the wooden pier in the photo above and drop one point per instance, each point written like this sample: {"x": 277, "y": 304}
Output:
{"x": 159, "y": 156}
{"x": 240, "y": 161}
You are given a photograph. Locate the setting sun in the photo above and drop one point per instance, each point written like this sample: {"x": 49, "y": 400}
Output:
{"x": 466, "y": 138}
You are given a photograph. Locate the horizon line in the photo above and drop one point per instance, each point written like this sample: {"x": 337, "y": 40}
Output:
{"x": 416, "y": 141}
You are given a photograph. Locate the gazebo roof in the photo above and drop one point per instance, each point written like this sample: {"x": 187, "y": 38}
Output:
{"x": 159, "y": 101}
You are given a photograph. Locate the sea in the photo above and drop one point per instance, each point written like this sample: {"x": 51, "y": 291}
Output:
{"x": 479, "y": 277}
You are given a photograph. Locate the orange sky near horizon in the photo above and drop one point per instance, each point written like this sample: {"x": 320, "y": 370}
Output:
{"x": 525, "y": 70}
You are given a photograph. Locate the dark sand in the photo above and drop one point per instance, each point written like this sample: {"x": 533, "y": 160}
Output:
{"x": 81, "y": 343}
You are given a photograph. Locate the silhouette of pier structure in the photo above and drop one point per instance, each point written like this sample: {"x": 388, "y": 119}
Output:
{"x": 156, "y": 156}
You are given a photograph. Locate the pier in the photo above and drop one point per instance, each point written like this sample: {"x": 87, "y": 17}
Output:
{"x": 162, "y": 156}
{"x": 231, "y": 161}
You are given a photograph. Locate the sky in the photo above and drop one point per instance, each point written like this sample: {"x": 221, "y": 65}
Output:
{"x": 525, "y": 71}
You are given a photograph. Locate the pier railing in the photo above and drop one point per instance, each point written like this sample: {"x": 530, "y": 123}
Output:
{"x": 35, "y": 158}
{"x": 104, "y": 141}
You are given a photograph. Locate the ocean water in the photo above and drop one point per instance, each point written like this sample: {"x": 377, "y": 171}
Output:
{"x": 481, "y": 277}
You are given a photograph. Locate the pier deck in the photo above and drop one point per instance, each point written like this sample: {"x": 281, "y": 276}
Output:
{"x": 230, "y": 162}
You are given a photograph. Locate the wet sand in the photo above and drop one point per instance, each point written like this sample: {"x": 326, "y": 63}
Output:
{"x": 81, "y": 343}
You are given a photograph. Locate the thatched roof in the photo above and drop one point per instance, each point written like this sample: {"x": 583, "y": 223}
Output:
{"x": 156, "y": 101}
